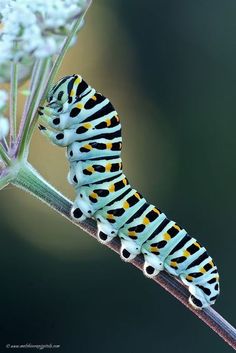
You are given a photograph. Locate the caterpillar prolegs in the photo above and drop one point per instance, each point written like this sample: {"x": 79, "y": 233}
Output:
{"x": 85, "y": 122}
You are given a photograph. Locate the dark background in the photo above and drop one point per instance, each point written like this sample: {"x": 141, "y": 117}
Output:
{"x": 169, "y": 69}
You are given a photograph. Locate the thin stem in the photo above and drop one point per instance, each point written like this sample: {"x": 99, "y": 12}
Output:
{"x": 4, "y": 156}
{"x": 33, "y": 106}
{"x": 56, "y": 67}
{"x": 35, "y": 80}
{"x": 13, "y": 101}
{"x": 31, "y": 181}
{"x": 4, "y": 143}
{"x": 33, "y": 85}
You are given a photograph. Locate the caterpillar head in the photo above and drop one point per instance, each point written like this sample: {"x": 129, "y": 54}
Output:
{"x": 64, "y": 92}
{"x": 59, "y": 92}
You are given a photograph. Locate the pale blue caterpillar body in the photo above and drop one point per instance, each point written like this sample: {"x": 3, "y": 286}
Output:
{"x": 87, "y": 124}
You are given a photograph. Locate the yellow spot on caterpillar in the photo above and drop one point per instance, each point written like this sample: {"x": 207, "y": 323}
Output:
{"x": 117, "y": 118}
{"x": 108, "y": 167}
{"x": 146, "y": 221}
{"x": 88, "y": 147}
{"x": 202, "y": 270}
{"x": 120, "y": 165}
{"x": 94, "y": 195}
{"x": 90, "y": 169}
{"x": 177, "y": 227}
{"x": 94, "y": 98}
{"x": 72, "y": 93}
{"x": 174, "y": 264}
{"x": 77, "y": 81}
{"x": 132, "y": 233}
{"x": 125, "y": 181}
{"x": 211, "y": 264}
{"x": 79, "y": 106}
{"x": 110, "y": 216}
{"x": 189, "y": 278}
{"x": 112, "y": 188}
{"x": 109, "y": 145}
{"x": 154, "y": 249}
{"x": 137, "y": 195}
{"x": 186, "y": 253}
{"x": 166, "y": 236}
{"x": 87, "y": 125}
{"x": 126, "y": 205}
{"x": 108, "y": 122}
{"x": 156, "y": 210}
{"x": 197, "y": 244}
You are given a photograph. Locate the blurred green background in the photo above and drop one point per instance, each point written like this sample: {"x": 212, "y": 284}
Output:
{"x": 169, "y": 69}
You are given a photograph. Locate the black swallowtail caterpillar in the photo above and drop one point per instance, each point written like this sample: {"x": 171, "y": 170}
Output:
{"x": 87, "y": 124}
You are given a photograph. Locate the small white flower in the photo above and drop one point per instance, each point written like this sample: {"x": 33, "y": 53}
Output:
{"x": 3, "y": 99}
{"x": 35, "y": 27}
{"x": 4, "y": 127}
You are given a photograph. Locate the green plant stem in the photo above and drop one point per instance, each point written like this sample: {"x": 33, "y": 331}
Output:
{"x": 13, "y": 101}
{"x": 31, "y": 181}
{"x": 4, "y": 156}
{"x": 56, "y": 67}
{"x": 4, "y": 143}
{"x": 33, "y": 85}
{"x": 41, "y": 77}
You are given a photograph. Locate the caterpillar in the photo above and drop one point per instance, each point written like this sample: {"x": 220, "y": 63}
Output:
{"x": 83, "y": 120}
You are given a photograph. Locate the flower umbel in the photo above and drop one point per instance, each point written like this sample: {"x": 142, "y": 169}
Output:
{"x": 35, "y": 28}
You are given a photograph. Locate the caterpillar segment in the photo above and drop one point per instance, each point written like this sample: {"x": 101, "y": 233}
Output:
{"x": 89, "y": 171}
{"x": 93, "y": 197}
{"x": 112, "y": 217}
{"x": 84, "y": 121}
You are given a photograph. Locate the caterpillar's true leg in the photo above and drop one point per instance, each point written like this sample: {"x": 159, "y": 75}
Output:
{"x": 54, "y": 137}
{"x": 46, "y": 132}
{"x": 43, "y": 116}
{"x": 152, "y": 264}
{"x": 48, "y": 112}
{"x": 52, "y": 117}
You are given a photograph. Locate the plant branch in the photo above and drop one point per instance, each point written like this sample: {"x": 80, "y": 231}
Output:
{"x": 31, "y": 181}
{"x": 4, "y": 143}
{"x": 32, "y": 87}
{"x": 13, "y": 101}
{"x": 4, "y": 156}
{"x": 42, "y": 74}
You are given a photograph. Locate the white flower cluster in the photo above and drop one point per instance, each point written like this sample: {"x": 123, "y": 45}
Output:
{"x": 35, "y": 27}
{"x": 4, "y": 122}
